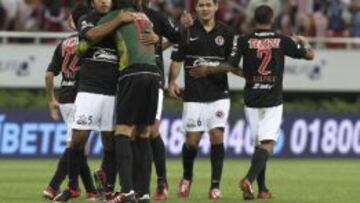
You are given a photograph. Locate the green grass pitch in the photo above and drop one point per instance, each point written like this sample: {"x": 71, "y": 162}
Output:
{"x": 291, "y": 181}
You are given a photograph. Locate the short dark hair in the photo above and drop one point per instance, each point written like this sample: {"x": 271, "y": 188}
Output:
{"x": 196, "y": 1}
{"x": 78, "y": 11}
{"x": 263, "y": 14}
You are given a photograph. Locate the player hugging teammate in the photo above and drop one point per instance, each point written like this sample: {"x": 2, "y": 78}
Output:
{"x": 121, "y": 76}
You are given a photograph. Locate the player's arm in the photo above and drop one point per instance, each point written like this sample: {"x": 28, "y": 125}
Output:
{"x": 203, "y": 71}
{"x": 309, "y": 51}
{"x": 94, "y": 33}
{"x": 232, "y": 65}
{"x": 178, "y": 58}
{"x": 297, "y": 47}
{"x": 175, "y": 68}
{"x": 53, "y": 70}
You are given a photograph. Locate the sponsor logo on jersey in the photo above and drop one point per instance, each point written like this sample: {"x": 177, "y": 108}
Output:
{"x": 190, "y": 123}
{"x": 204, "y": 62}
{"x": 105, "y": 55}
{"x": 264, "y": 43}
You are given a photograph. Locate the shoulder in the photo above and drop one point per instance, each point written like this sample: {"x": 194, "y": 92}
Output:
{"x": 226, "y": 28}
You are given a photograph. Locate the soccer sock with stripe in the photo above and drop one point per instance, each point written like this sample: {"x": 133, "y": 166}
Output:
{"x": 159, "y": 155}
{"x": 85, "y": 175}
{"x": 258, "y": 163}
{"x": 145, "y": 161}
{"x": 61, "y": 171}
{"x": 188, "y": 158}
{"x": 261, "y": 180}
{"x": 217, "y": 155}
{"x": 124, "y": 162}
{"x": 109, "y": 166}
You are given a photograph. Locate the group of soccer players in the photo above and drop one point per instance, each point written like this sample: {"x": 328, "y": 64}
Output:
{"x": 113, "y": 82}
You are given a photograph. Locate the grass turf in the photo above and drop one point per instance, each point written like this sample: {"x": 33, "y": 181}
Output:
{"x": 291, "y": 181}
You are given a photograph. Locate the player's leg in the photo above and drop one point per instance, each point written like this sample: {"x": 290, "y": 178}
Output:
{"x": 194, "y": 125}
{"x": 217, "y": 116}
{"x": 159, "y": 153}
{"x": 189, "y": 153}
{"x": 85, "y": 175}
{"x": 86, "y": 118}
{"x": 51, "y": 190}
{"x": 142, "y": 162}
{"x": 106, "y": 176}
{"x": 268, "y": 126}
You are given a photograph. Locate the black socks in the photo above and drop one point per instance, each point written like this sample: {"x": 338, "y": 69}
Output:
{"x": 217, "y": 155}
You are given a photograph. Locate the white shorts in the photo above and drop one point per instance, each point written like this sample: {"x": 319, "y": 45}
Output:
{"x": 199, "y": 117}
{"x": 160, "y": 104}
{"x": 264, "y": 122}
{"x": 67, "y": 113}
{"x": 94, "y": 112}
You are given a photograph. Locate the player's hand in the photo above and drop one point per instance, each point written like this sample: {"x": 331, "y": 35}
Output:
{"x": 186, "y": 20}
{"x": 126, "y": 16}
{"x": 300, "y": 39}
{"x": 200, "y": 71}
{"x": 54, "y": 109}
{"x": 149, "y": 38}
{"x": 174, "y": 90}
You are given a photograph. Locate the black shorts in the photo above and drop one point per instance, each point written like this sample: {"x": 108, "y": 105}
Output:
{"x": 137, "y": 96}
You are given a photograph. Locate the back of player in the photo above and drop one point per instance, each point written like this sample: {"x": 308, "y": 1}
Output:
{"x": 263, "y": 53}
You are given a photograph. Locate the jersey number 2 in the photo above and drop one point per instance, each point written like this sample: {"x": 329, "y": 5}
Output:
{"x": 265, "y": 55}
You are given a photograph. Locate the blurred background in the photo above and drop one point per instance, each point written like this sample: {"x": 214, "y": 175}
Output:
{"x": 322, "y": 101}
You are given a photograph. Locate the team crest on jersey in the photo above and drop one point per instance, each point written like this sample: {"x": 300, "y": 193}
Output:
{"x": 219, "y": 114}
{"x": 219, "y": 40}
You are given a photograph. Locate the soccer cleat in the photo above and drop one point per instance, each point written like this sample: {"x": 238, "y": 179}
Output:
{"x": 122, "y": 198}
{"x": 144, "y": 199}
{"x": 248, "y": 193}
{"x": 214, "y": 194}
{"x": 66, "y": 195}
{"x": 162, "y": 192}
{"x": 100, "y": 180}
{"x": 184, "y": 188}
{"x": 49, "y": 193}
{"x": 92, "y": 196}
{"x": 264, "y": 195}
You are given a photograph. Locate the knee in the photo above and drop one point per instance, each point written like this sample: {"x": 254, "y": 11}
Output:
{"x": 192, "y": 144}
{"x": 268, "y": 145}
{"x": 155, "y": 130}
{"x": 217, "y": 136}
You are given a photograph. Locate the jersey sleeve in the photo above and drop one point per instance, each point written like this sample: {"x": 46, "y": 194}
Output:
{"x": 178, "y": 52}
{"x": 84, "y": 25}
{"x": 229, "y": 42}
{"x": 292, "y": 48}
{"x": 236, "y": 54}
{"x": 167, "y": 30}
{"x": 56, "y": 61}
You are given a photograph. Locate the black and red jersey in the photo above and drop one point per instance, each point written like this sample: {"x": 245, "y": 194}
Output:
{"x": 66, "y": 61}
{"x": 263, "y": 53}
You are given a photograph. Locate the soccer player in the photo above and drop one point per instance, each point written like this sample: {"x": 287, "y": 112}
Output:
{"x": 263, "y": 52}
{"x": 206, "y": 100}
{"x": 66, "y": 62}
{"x": 162, "y": 28}
{"x": 137, "y": 99}
{"x": 95, "y": 100}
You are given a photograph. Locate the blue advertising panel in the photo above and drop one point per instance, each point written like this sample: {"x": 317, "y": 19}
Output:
{"x": 33, "y": 134}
